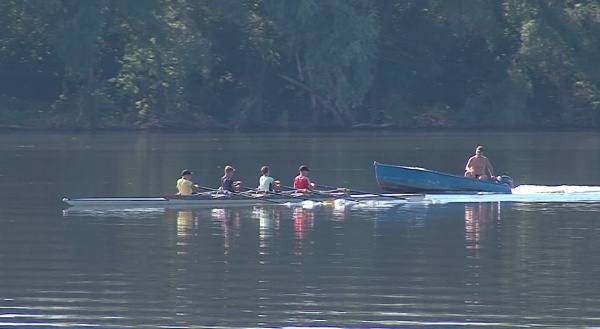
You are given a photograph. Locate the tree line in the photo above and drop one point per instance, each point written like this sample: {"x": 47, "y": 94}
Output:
{"x": 302, "y": 64}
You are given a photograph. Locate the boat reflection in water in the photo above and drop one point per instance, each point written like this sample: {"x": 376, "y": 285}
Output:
{"x": 479, "y": 218}
{"x": 482, "y": 221}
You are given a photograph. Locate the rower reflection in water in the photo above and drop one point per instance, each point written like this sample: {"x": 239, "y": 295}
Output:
{"x": 185, "y": 225}
{"x": 230, "y": 222}
{"x": 303, "y": 223}
{"x": 269, "y": 223}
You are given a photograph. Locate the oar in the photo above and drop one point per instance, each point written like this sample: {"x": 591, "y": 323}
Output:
{"x": 246, "y": 195}
{"x": 175, "y": 196}
{"x": 242, "y": 194}
{"x": 332, "y": 190}
{"x": 363, "y": 192}
{"x": 314, "y": 191}
{"x": 276, "y": 193}
{"x": 212, "y": 190}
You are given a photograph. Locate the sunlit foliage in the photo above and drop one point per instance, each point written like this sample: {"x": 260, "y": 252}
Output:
{"x": 255, "y": 64}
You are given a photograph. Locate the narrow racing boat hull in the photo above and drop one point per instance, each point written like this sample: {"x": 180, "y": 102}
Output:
{"x": 217, "y": 200}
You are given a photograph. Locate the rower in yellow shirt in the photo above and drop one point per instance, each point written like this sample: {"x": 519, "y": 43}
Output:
{"x": 185, "y": 185}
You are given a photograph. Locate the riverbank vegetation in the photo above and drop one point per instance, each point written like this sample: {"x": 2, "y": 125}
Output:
{"x": 270, "y": 64}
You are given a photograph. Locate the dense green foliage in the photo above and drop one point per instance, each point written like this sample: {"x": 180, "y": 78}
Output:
{"x": 298, "y": 64}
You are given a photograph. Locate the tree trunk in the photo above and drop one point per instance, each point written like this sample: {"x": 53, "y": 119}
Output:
{"x": 251, "y": 106}
{"x": 316, "y": 120}
{"x": 315, "y": 100}
{"x": 85, "y": 101}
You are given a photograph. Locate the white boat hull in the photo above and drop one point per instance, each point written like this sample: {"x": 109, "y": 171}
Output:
{"x": 227, "y": 201}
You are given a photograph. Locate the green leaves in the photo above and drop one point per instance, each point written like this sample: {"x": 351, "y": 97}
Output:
{"x": 302, "y": 63}
{"x": 76, "y": 33}
{"x": 333, "y": 47}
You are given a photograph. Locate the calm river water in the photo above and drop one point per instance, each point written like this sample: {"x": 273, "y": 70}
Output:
{"x": 452, "y": 263}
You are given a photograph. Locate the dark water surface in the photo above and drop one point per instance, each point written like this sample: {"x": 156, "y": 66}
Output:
{"x": 444, "y": 265}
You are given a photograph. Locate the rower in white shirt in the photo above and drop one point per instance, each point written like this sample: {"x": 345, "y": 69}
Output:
{"x": 267, "y": 183}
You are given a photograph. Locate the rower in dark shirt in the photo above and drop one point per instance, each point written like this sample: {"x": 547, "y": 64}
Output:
{"x": 227, "y": 183}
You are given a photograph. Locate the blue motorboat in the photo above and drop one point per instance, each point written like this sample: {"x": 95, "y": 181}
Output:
{"x": 400, "y": 179}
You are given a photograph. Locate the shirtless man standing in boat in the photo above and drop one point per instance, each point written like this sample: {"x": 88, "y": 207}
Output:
{"x": 477, "y": 165}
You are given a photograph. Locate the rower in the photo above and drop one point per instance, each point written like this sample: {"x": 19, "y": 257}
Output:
{"x": 267, "y": 183}
{"x": 227, "y": 183}
{"x": 301, "y": 182}
{"x": 185, "y": 185}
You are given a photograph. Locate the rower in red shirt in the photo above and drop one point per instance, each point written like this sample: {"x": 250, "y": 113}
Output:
{"x": 301, "y": 182}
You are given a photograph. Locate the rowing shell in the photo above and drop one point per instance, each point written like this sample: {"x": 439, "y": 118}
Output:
{"x": 215, "y": 200}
